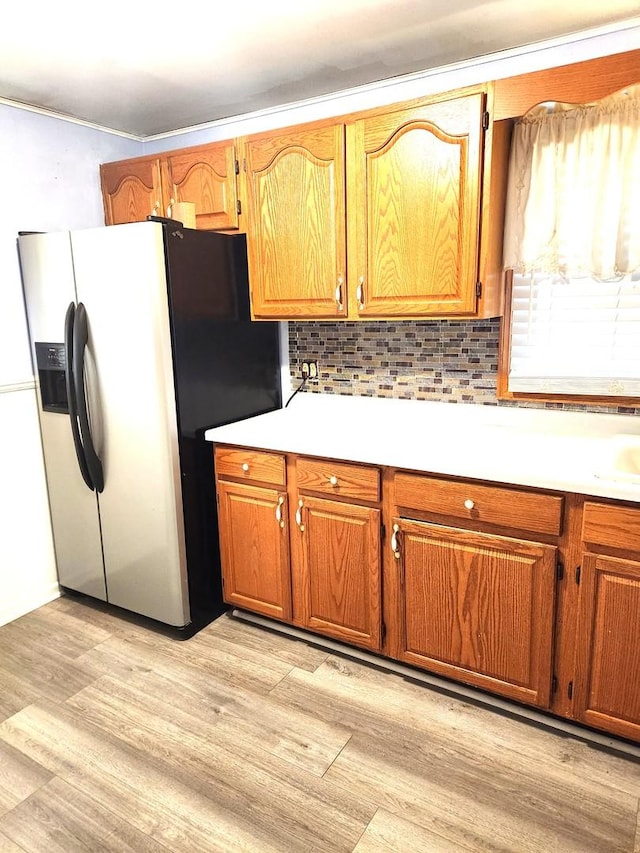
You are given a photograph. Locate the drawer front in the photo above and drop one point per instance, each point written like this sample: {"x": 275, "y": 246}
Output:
{"x": 338, "y": 479}
{"x": 615, "y": 526}
{"x": 506, "y": 507}
{"x": 250, "y": 465}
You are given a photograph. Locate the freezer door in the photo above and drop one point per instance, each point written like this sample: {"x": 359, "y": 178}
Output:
{"x": 49, "y": 287}
{"x": 121, "y": 280}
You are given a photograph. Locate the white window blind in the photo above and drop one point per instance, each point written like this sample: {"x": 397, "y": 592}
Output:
{"x": 579, "y": 336}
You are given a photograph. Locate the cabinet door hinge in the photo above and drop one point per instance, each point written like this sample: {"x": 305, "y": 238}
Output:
{"x": 478, "y": 289}
{"x": 485, "y": 120}
{"x": 578, "y": 572}
{"x": 554, "y": 684}
{"x": 383, "y": 532}
{"x": 238, "y": 207}
{"x": 559, "y": 570}
{"x": 383, "y": 633}
{"x": 237, "y": 167}
{"x": 570, "y": 690}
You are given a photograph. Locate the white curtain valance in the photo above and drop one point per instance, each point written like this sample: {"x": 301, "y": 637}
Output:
{"x": 573, "y": 193}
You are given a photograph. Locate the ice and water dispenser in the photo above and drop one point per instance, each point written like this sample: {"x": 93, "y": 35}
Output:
{"x": 51, "y": 360}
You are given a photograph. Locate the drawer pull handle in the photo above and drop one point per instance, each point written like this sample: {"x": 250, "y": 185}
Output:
{"x": 360, "y": 292}
{"x": 394, "y": 542}
{"x": 469, "y": 504}
{"x": 338, "y": 294}
{"x": 299, "y": 516}
{"x": 279, "y": 518}
{"x": 333, "y": 480}
{"x": 245, "y": 467}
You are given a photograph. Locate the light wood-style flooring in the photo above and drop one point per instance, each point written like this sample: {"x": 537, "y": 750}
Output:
{"x": 114, "y": 737}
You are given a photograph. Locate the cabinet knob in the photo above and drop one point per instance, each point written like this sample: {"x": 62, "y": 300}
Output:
{"x": 279, "y": 517}
{"x": 338, "y": 294}
{"x": 360, "y": 292}
{"x": 333, "y": 480}
{"x": 299, "y": 516}
{"x": 245, "y": 467}
{"x": 469, "y": 504}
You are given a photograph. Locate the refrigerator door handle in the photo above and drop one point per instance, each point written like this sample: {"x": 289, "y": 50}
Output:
{"x": 71, "y": 395}
{"x": 80, "y": 338}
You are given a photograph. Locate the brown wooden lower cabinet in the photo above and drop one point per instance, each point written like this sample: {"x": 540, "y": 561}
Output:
{"x": 467, "y": 595}
{"x": 339, "y": 572}
{"x": 254, "y": 548}
{"x": 478, "y": 608}
{"x": 607, "y": 686}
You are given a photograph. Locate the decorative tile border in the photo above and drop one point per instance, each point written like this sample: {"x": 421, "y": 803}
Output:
{"x": 453, "y": 360}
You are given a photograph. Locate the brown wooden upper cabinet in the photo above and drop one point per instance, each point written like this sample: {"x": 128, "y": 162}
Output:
{"x": 131, "y": 190}
{"x": 295, "y": 185}
{"x": 205, "y": 175}
{"x": 410, "y": 181}
{"x": 414, "y": 207}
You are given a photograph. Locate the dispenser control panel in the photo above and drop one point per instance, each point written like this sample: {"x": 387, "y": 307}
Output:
{"x": 50, "y": 356}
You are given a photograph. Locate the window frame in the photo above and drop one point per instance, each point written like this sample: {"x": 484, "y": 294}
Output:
{"x": 504, "y": 364}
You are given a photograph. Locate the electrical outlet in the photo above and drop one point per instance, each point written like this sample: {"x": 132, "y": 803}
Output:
{"x": 309, "y": 369}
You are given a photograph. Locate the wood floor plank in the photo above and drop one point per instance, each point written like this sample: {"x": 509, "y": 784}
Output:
{"x": 215, "y": 737}
{"x": 37, "y": 670}
{"x": 488, "y": 810}
{"x": 9, "y": 846}
{"x": 243, "y": 635}
{"x": 152, "y": 800}
{"x": 242, "y": 740}
{"x": 123, "y": 655}
{"x": 191, "y": 781}
{"x": 15, "y": 693}
{"x": 62, "y": 819}
{"x": 356, "y": 694}
{"x": 414, "y": 755}
{"x": 389, "y": 833}
{"x": 19, "y": 777}
{"x": 48, "y": 628}
{"x": 226, "y": 711}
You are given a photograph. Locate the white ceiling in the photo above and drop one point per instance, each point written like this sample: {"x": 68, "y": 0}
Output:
{"x": 151, "y": 68}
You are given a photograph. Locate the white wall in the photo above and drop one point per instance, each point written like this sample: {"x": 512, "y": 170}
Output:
{"x": 50, "y": 182}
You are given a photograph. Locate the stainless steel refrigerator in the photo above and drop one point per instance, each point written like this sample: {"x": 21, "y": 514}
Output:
{"x": 141, "y": 340}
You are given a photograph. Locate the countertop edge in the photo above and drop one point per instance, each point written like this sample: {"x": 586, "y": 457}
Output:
{"x": 551, "y": 450}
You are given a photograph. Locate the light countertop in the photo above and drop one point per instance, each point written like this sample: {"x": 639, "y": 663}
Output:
{"x": 580, "y": 452}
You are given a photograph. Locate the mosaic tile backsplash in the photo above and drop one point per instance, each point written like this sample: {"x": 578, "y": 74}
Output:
{"x": 452, "y": 360}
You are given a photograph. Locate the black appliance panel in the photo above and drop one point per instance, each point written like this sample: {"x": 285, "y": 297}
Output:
{"x": 226, "y": 367}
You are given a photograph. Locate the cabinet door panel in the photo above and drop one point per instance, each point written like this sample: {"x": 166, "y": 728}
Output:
{"x": 206, "y": 177}
{"x": 341, "y": 570}
{"x": 296, "y": 228}
{"x": 131, "y": 191}
{"x": 607, "y": 685}
{"x": 415, "y": 183}
{"x": 478, "y": 608}
{"x": 254, "y": 549}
